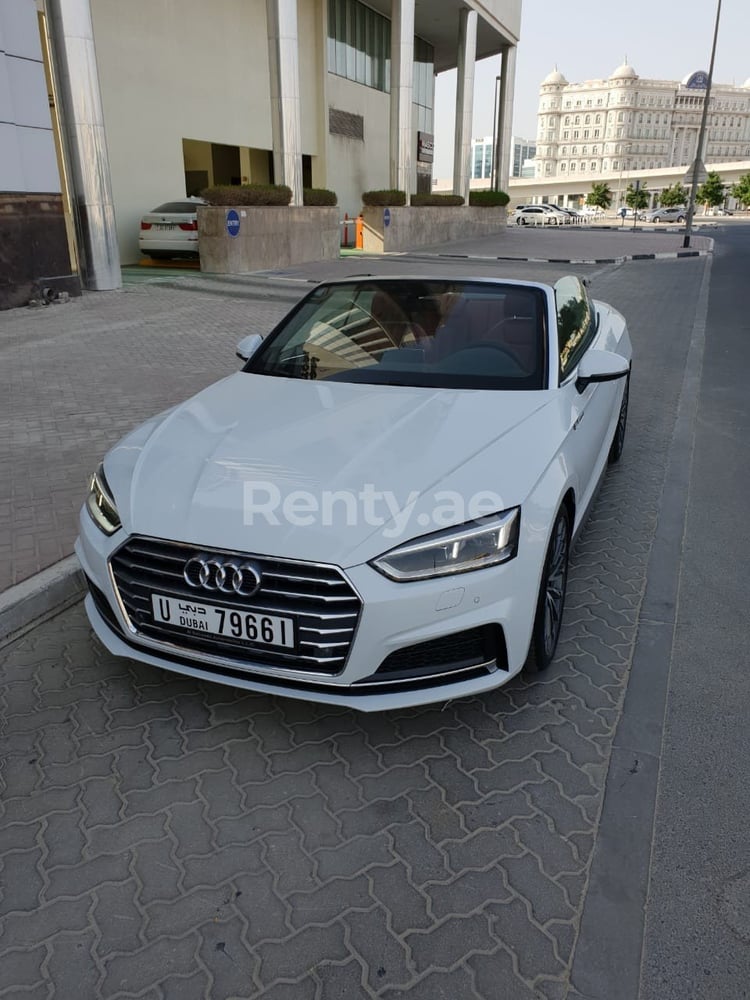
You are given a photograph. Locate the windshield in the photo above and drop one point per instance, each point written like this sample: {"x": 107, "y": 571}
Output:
{"x": 449, "y": 334}
{"x": 178, "y": 207}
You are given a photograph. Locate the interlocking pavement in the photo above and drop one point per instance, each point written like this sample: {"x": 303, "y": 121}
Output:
{"x": 163, "y": 838}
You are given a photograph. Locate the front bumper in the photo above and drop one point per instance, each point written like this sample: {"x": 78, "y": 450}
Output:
{"x": 394, "y": 616}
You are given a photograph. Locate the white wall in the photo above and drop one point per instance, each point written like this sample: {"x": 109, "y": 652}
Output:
{"x": 355, "y": 166}
{"x": 27, "y": 149}
{"x": 170, "y": 71}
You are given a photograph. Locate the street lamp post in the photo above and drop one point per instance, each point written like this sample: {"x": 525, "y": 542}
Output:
{"x": 701, "y": 135}
{"x": 623, "y": 149}
{"x": 495, "y": 182}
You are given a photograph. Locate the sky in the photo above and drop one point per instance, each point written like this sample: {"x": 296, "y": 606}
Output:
{"x": 587, "y": 39}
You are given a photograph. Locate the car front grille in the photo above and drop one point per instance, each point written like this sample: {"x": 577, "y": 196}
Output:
{"x": 319, "y": 597}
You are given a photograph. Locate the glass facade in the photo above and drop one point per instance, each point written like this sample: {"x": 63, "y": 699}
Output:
{"x": 359, "y": 44}
{"x": 424, "y": 73}
{"x": 359, "y": 49}
{"x": 481, "y": 158}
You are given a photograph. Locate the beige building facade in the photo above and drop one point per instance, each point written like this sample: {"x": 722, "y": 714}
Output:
{"x": 627, "y": 124}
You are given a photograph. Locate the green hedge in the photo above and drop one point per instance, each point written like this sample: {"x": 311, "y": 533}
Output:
{"x": 319, "y": 196}
{"x": 421, "y": 200}
{"x": 488, "y": 199}
{"x": 248, "y": 194}
{"x": 384, "y": 198}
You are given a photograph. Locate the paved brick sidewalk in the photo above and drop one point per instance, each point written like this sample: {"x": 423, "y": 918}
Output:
{"x": 163, "y": 838}
{"x": 74, "y": 378}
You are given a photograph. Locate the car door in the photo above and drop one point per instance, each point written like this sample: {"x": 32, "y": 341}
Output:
{"x": 586, "y": 415}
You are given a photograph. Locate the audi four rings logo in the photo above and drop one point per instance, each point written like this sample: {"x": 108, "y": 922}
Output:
{"x": 227, "y": 576}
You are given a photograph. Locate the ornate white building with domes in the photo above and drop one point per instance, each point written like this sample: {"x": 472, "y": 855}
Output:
{"x": 627, "y": 123}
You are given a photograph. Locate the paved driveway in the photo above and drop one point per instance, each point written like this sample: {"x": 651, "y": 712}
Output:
{"x": 163, "y": 838}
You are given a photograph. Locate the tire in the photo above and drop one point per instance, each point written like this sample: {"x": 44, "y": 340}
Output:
{"x": 680, "y": 218}
{"x": 656, "y": 219}
{"x": 618, "y": 441}
{"x": 551, "y": 601}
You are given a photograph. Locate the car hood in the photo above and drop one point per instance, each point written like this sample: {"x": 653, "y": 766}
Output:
{"x": 245, "y": 463}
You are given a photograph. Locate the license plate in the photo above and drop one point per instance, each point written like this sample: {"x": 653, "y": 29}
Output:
{"x": 162, "y": 226}
{"x": 252, "y": 626}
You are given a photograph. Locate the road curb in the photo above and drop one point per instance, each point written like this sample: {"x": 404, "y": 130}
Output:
{"x": 620, "y": 259}
{"x": 45, "y": 594}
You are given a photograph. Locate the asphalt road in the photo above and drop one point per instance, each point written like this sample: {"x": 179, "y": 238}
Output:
{"x": 161, "y": 838}
{"x": 698, "y": 913}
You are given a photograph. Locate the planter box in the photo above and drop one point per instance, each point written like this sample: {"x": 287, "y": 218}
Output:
{"x": 420, "y": 227}
{"x": 268, "y": 237}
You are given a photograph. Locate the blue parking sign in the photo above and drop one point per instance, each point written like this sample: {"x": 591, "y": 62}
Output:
{"x": 233, "y": 222}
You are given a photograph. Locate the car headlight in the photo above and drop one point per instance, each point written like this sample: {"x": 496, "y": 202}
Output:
{"x": 101, "y": 505}
{"x": 492, "y": 540}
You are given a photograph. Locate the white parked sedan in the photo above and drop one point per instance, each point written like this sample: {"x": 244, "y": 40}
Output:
{"x": 171, "y": 229}
{"x": 540, "y": 215}
{"x": 378, "y": 509}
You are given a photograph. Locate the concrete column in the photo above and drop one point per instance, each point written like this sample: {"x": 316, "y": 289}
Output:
{"x": 504, "y": 129}
{"x": 82, "y": 121}
{"x": 402, "y": 74}
{"x": 283, "y": 58}
{"x": 467, "y": 49}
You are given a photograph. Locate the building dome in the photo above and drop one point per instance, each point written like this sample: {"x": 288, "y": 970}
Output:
{"x": 624, "y": 72}
{"x": 555, "y": 79}
{"x": 746, "y": 84}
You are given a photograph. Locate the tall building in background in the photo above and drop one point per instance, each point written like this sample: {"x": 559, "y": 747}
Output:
{"x": 629, "y": 123}
{"x": 521, "y": 152}
{"x": 481, "y": 158}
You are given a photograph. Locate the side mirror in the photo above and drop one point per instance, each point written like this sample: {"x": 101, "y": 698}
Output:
{"x": 248, "y": 346}
{"x": 601, "y": 366}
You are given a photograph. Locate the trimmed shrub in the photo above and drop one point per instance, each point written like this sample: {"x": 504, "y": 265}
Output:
{"x": 383, "y": 198}
{"x": 319, "y": 196}
{"x": 488, "y": 199}
{"x": 248, "y": 194}
{"x": 421, "y": 200}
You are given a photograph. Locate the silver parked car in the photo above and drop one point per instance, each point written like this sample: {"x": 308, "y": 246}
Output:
{"x": 677, "y": 213}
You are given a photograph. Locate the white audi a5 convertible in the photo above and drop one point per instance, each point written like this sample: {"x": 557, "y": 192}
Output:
{"x": 378, "y": 509}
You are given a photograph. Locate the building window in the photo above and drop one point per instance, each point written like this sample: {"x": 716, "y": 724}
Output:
{"x": 359, "y": 44}
{"x": 615, "y": 164}
{"x": 424, "y": 78}
{"x": 593, "y": 167}
{"x": 572, "y": 168}
{"x": 576, "y": 134}
{"x": 359, "y": 49}
{"x": 587, "y": 120}
{"x": 562, "y": 168}
{"x": 577, "y": 120}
